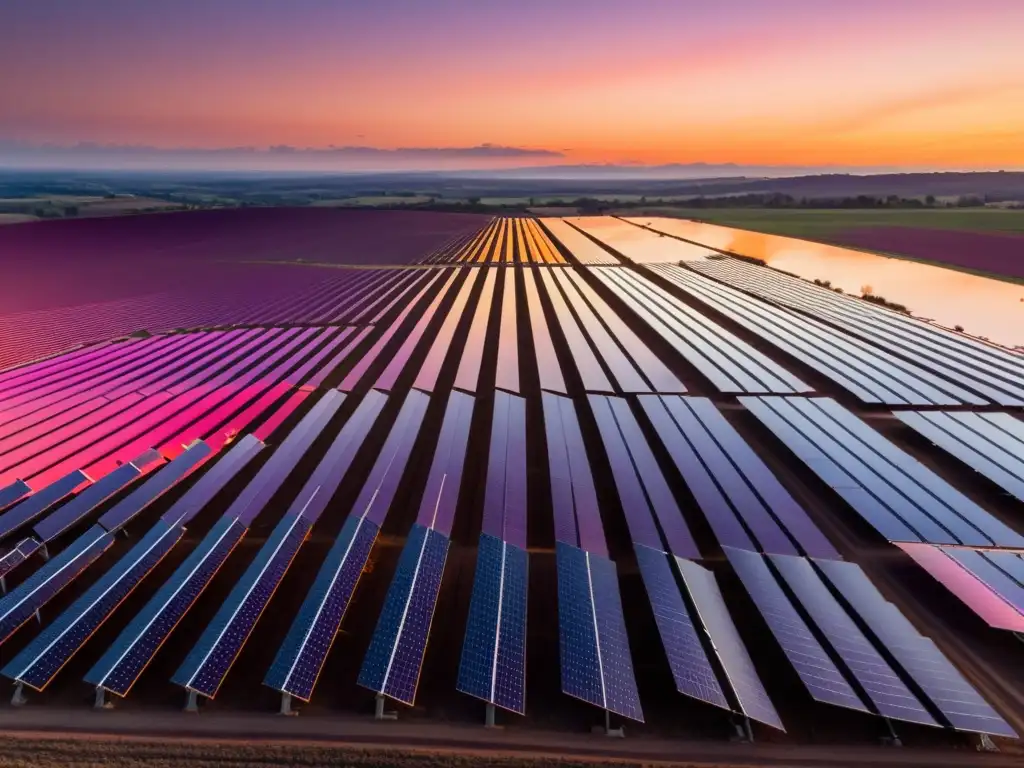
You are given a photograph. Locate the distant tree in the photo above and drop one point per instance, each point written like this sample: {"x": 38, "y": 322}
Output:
{"x": 958, "y": 328}
{"x": 473, "y": 200}
{"x": 929, "y": 199}
{"x": 867, "y": 290}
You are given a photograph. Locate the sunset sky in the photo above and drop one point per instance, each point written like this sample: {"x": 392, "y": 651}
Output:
{"x": 909, "y": 83}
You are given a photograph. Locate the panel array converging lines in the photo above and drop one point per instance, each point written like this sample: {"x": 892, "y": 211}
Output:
{"x": 120, "y": 667}
{"x": 991, "y": 372}
{"x": 509, "y": 241}
{"x": 893, "y": 492}
{"x": 210, "y": 660}
{"x": 728, "y": 362}
{"x": 299, "y": 661}
{"x": 870, "y": 373}
{"x": 493, "y": 664}
{"x": 394, "y": 659}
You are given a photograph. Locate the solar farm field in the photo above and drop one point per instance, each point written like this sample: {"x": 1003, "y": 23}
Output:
{"x": 550, "y": 474}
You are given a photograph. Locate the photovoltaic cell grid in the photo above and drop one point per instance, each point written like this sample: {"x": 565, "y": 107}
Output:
{"x": 979, "y": 594}
{"x": 817, "y": 671}
{"x": 41, "y": 501}
{"x": 883, "y": 686}
{"x": 300, "y": 659}
{"x": 745, "y": 504}
{"x": 574, "y": 499}
{"x": 87, "y": 500}
{"x": 680, "y": 636}
{"x": 983, "y": 368}
{"x": 870, "y": 373}
{"x": 900, "y": 497}
{"x": 12, "y": 493}
{"x": 23, "y": 550}
{"x": 129, "y": 655}
{"x": 643, "y": 491}
{"x": 504, "y": 513}
{"x": 728, "y": 362}
{"x": 992, "y": 444}
{"x": 393, "y": 661}
{"x": 732, "y": 654}
{"x": 957, "y": 701}
{"x": 43, "y": 657}
{"x": 441, "y": 495}
{"x": 50, "y": 651}
{"x": 493, "y": 665}
{"x": 595, "y": 660}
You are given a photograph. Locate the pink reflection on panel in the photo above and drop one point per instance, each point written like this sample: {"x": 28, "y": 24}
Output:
{"x": 266, "y": 429}
{"x": 976, "y": 595}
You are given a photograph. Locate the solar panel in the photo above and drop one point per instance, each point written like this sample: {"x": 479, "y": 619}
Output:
{"x": 506, "y": 466}
{"x": 635, "y": 504}
{"x": 468, "y": 374}
{"x": 251, "y": 501}
{"x": 37, "y": 664}
{"x": 437, "y": 508}
{"x": 299, "y": 661}
{"x": 426, "y": 379}
{"x": 693, "y": 674}
{"x": 732, "y": 654}
{"x": 157, "y": 485}
{"x": 882, "y": 685}
{"x": 11, "y": 493}
{"x": 954, "y": 697}
{"x": 79, "y": 507}
{"x": 972, "y": 592}
{"x": 591, "y": 373}
{"x": 507, "y": 374}
{"x": 39, "y": 502}
{"x": 548, "y": 369}
{"x": 21, "y": 603}
{"x": 210, "y": 659}
{"x": 123, "y": 663}
{"x": 572, "y": 485}
{"x": 393, "y": 661}
{"x": 999, "y": 582}
{"x": 493, "y": 663}
{"x": 213, "y": 481}
{"x": 23, "y": 550}
{"x": 1009, "y": 563}
{"x": 380, "y": 487}
{"x": 594, "y": 651}
{"x": 811, "y": 661}
{"x": 709, "y": 497}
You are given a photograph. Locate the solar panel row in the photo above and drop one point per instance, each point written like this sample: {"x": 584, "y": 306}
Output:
{"x": 41, "y": 501}
{"x": 493, "y": 663}
{"x": 901, "y": 498}
{"x": 728, "y": 362}
{"x": 595, "y": 660}
{"x": 468, "y": 374}
{"x": 504, "y": 513}
{"x": 978, "y": 440}
{"x": 870, "y": 373}
{"x": 574, "y": 499}
{"x": 548, "y": 368}
{"x": 441, "y": 495}
{"x": 982, "y": 368}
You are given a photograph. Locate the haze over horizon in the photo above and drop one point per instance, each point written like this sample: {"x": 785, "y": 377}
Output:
{"x": 453, "y": 84}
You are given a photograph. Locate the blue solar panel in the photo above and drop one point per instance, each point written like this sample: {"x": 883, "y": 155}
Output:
{"x": 995, "y": 578}
{"x": 709, "y": 497}
{"x": 393, "y": 661}
{"x": 37, "y": 664}
{"x": 11, "y": 493}
{"x": 620, "y": 691}
{"x": 40, "y": 501}
{"x": 441, "y": 495}
{"x": 302, "y": 655}
{"x": 493, "y": 665}
{"x": 883, "y": 686}
{"x": 711, "y": 610}
{"x": 1009, "y": 563}
{"x": 378, "y": 491}
{"x": 955, "y": 698}
{"x": 119, "y": 668}
{"x": 211, "y": 658}
{"x": 272, "y": 475}
{"x": 21, "y": 603}
{"x": 214, "y": 480}
{"x": 577, "y": 632}
{"x": 85, "y": 502}
{"x": 23, "y": 550}
{"x": 812, "y": 663}
{"x": 693, "y": 674}
{"x": 327, "y": 476}
{"x": 157, "y": 484}
{"x": 637, "y": 509}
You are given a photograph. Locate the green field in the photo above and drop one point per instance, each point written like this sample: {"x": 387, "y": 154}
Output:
{"x": 822, "y": 224}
